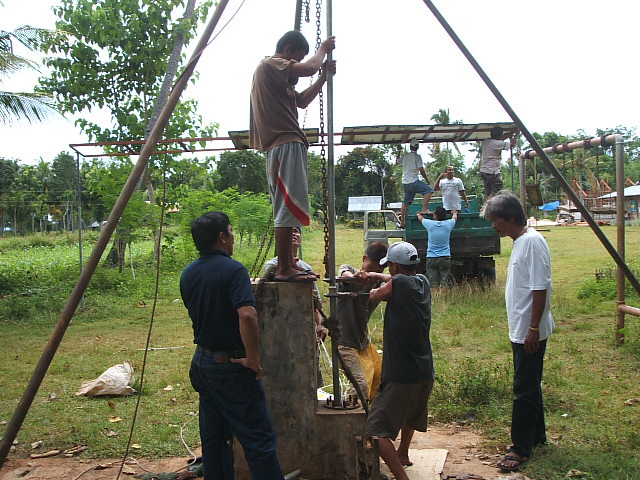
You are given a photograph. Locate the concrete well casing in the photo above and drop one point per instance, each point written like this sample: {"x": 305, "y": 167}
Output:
{"x": 323, "y": 443}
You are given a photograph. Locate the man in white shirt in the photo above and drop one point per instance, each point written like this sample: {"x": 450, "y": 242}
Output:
{"x": 452, "y": 190}
{"x": 411, "y": 184}
{"x": 491, "y": 159}
{"x": 528, "y": 300}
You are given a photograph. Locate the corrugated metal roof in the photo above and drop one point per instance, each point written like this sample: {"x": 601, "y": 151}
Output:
{"x": 459, "y": 132}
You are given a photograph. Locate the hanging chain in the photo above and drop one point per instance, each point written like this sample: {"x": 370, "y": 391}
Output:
{"x": 307, "y": 10}
{"x": 323, "y": 153}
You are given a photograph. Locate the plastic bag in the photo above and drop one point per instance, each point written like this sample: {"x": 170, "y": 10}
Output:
{"x": 116, "y": 380}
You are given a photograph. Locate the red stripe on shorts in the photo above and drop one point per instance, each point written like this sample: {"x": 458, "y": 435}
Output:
{"x": 302, "y": 217}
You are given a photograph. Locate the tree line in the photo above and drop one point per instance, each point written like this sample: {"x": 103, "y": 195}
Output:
{"x": 46, "y": 196}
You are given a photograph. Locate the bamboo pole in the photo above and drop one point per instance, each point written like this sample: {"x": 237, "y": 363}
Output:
{"x": 81, "y": 285}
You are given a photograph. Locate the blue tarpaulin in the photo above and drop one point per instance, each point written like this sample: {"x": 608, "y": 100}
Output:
{"x": 549, "y": 206}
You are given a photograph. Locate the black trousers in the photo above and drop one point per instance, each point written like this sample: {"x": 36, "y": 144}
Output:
{"x": 527, "y": 417}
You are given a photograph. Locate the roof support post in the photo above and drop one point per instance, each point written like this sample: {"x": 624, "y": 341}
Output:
{"x": 116, "y": 212}
{"x": 620, "y": 298}
{"x": 536, "y": 146}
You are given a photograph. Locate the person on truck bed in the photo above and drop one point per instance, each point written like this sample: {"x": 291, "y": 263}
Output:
{"x": 411, "y": 184}
{"x": 452, "y": 190}
{"x": 491, "y": 159}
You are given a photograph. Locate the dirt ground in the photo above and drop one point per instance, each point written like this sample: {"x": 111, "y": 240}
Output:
{"x": 464, "y": 447}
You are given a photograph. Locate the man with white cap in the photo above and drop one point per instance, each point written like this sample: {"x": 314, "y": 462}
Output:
{"x": 407, "y": 364}
{"x": 411, "y": 184}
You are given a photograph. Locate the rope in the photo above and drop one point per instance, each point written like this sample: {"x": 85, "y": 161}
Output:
{"x": 153, "y": 314}
{"x": 261, "y": 257}
{"x": 197, "y": 55}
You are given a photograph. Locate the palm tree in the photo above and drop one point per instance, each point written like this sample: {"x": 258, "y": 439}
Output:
{"x": 441, "y": 117}
{"x": 32, "y": 106}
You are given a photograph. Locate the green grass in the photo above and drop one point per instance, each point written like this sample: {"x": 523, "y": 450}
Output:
{"x": 587, "y": 378}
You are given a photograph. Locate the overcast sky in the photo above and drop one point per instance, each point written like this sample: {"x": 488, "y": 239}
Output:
{"x": 562, "y": 65}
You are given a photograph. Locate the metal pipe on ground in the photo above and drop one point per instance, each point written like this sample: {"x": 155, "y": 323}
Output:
{"x": 536, "y": 146}
{"x": 629, "y": 309}
{"x": 103, "y": 240}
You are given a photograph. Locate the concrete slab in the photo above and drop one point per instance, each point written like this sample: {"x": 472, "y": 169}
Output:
{"x": 428, "y": 464}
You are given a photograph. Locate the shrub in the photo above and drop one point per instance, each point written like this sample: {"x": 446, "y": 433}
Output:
{"x": 471, "y": 389}
{"x": 603, "y": 285}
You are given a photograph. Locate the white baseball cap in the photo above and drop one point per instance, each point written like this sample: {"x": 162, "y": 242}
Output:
{"x": 414, "y": 142}
{"x": 403, "y": 253}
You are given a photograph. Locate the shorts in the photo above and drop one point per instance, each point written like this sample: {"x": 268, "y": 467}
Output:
{"x": 410, "y": 190}
{"x": 492, "y": 183}
{"x": 397, "y": 405}
{"x": 287, "y": 177}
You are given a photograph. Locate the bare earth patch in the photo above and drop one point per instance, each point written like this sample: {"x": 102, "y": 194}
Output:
{"x": 464, "y": 447}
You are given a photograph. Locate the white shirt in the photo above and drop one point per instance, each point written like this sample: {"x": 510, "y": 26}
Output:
{"x": 411, "y": 163}
{"x": 451, "y": 188}
{"x": 529, "y": 270}
{"x": 492, "y": 154}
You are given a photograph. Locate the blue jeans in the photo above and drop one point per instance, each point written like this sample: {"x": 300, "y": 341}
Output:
{"x": 232, "y": 401}
{"x": 527, "y": 417}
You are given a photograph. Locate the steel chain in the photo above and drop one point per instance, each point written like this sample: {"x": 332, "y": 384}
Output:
{"x": 323, "y": 153}
{"x": 307, "y": 9}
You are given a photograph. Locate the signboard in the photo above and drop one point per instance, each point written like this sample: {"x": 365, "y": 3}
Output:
{"x": 362, "y": 204}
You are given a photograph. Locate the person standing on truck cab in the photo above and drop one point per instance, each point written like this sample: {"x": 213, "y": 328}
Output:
{"x": 491, "y": 159}
{"x": 411, "y": 184}
{"x": 452, "y": 190}
{"x": 438, "y": 249}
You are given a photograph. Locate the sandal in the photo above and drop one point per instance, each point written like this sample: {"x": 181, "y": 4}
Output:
{"x": 517, "y": 460}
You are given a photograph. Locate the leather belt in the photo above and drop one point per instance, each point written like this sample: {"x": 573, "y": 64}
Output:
{"x": 222, "y": 356}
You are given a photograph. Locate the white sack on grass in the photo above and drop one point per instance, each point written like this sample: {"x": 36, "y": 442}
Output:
{"x": 116, "y": 380}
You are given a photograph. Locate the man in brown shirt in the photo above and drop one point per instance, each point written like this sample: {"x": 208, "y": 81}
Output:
{"x": 274, "y": 129}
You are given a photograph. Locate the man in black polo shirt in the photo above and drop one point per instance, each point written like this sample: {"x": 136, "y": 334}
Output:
{"x": 225, "y": 368}
{"x": 407, "y": 364}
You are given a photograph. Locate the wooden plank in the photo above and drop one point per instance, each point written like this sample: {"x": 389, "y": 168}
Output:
{"x": 428, "y": 464}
